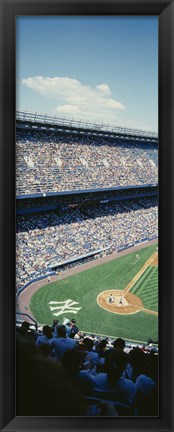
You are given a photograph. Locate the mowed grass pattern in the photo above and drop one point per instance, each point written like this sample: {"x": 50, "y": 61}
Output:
{"x": 84, "y": 288}
{"x": 147, "y": 288}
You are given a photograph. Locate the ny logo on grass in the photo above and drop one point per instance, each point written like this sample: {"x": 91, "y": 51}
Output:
{"x": 64, "y": 307}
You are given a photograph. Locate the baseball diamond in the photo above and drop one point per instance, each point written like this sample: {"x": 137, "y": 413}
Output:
{"x": 89, "y": 286}
{"x": 124, "y": 301}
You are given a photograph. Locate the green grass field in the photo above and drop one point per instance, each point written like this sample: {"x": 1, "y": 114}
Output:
{"x": 84, "y": 288}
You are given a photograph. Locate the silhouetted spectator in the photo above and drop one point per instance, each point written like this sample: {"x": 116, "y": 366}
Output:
{"x": 91, "y": 355}
{"x": 62, "y": 343}
{"x": 42, "y": 389}
{"x": 111, "y": 385}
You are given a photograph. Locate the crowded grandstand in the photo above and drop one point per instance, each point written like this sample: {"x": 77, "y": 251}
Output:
{"x": 83, "y": 191}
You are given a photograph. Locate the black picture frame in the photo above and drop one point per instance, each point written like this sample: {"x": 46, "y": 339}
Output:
{"x": 8, "y": 11}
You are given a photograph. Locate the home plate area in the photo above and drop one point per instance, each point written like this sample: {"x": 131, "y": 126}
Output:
{"x": 117, "y": 302}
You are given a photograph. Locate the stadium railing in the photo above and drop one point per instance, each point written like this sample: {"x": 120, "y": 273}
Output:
{"x": 46, "y": 119}
{"x": 21, "y": 314}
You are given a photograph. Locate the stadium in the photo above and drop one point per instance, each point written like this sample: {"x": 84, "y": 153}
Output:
{"x": 87, "y": 238}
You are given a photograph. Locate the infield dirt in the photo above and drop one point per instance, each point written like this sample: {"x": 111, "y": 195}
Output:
{"x": 131, "y": 302}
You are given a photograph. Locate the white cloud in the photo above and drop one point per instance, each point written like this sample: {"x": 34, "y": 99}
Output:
{"x": 112, "y": 104}
{"x": 79, "y": 100}
{"x": 68, "y": 109}
{"x": 104, "y": 88}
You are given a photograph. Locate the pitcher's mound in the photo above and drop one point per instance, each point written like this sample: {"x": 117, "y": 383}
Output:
{"x": 119, "y": 303}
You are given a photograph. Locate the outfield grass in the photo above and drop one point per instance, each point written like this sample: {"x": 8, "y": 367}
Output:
{"x": 147, "y": 288}
{"x": 84, "y": 288}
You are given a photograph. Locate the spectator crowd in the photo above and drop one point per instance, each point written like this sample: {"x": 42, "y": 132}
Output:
{"x": 63, "y": 371}
{"x": 67, "y": 373}
{"x": 49, "y": 238}
{"x": 49, "y": 162}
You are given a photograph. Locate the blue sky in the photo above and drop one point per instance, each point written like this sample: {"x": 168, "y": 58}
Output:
{"x": 102, "y": 69}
